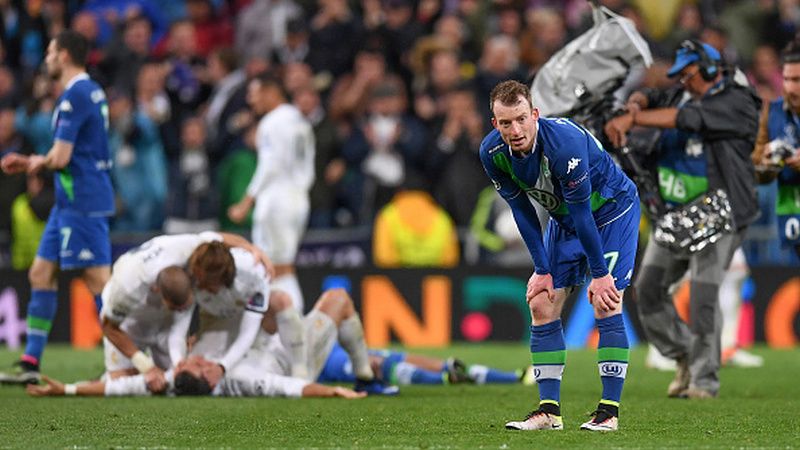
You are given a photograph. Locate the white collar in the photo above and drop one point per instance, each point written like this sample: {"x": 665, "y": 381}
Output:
{"x": 75, "y": 79}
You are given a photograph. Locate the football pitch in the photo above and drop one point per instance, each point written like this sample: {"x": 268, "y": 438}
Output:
{"x": 757, "y": 408}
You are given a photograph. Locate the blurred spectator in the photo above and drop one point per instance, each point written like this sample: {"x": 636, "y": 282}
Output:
{"x": 453, "y": 156}
{"x": 29, "y": 214}
{"x": 688, "y": 25}
{"x": 35, "y": 116}
{"x": 213, "y": 29}
{"x": 443, "y": 74}
{"x": 336, "y": 35}
{"x": 8, "y": 86}
{"x": 126, "y": 53}
{"x": 781, "y": 25}
{"x": 398, "y": 33}
{"x": 718, "y": 38}
{"x": 747, "y": 18}
{"x": 192, "y": 202}
{"x": 297, "y": 76}
{"x": 765, "y": 73}
{"x": 138, "y": 156}
{"x": 184, "y": 80}
{"x": 428, "y": 13}
{"x": 111, "y": 13}
{"x": 151, "y": 98}
{"x": 233, "y": 176}
{"x": 295, "y": 47}
{"x": 509, "y": 22}
{"x": 499, "y": 61}
{"x": 227, "y": 99}
{"x": 544, "y": 35}
{"x": 413, "y": 231}
{"x": 85, "y": 23}
{"x": 349, "y": 96}
{"x": 328, "y": 164}
{"x": 11, "y": 141}
{"x": 261, "y": 27}
{"x": 381, "y": 149}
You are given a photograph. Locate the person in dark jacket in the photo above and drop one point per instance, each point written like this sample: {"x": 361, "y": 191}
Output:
{"x": 715, "y": 130}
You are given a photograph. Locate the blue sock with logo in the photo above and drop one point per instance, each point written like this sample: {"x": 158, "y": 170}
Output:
{"x": 612, "y": 358}
{"x": 548, "y": 355}
{"x": 41, "y": 312}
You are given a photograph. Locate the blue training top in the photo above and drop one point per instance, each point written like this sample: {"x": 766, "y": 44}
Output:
{"x": 81, "y": 118}
{"x": 571, "y": 176}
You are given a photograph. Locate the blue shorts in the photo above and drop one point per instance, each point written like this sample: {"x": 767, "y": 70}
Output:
{"x": 339, "y": 369}
{"x": 75, "y": 240}
{"x": 569, "y": 265}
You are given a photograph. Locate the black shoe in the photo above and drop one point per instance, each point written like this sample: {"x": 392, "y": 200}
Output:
{"x": 457, "y": 371}
{"x": 22, "y": 373}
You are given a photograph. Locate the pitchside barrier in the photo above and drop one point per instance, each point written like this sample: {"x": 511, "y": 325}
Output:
{"x": 432, "y": 308}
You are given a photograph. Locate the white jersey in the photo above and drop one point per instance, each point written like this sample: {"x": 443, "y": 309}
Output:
{"x": 136, "y": 271}
{"x": 252, "y": 376}
{"x": 286, "y": 147}
{"x": 231, "y": 318}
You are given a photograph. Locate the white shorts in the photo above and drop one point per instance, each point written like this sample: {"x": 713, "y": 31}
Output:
{"x": 279, "y": 222}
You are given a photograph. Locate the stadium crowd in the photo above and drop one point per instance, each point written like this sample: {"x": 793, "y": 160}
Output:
{"x": 395, "y": 90}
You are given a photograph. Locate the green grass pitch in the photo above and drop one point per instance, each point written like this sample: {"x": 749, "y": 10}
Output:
{"x": 757, "y": 408}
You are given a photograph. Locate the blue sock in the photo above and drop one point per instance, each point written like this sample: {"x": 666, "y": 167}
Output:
{"x": 549, "y": 355}
{"x": 41, "y": 312}
{"x": 405, "y": 373}
{"x": 98, "y": 303}
{"x": 483, "y": 375}
{"x": 612, "y": 358}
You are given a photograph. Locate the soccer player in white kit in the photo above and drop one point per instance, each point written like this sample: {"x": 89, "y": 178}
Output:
{"x": 279, "y": 188}
{"x": 146, "y": 302}
{"x": 235, "y": 308}
{"x": 263, "y": 371}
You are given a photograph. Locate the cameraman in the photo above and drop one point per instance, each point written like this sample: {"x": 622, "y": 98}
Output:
{"x": 711, "y": 124}
{"x": 776, "y": 154}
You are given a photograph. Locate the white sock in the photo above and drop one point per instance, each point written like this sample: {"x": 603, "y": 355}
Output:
{"x": 288, "y": 283}
{"x": 292, "y": 336}
{"x": 730, "y": 301}
{"x": 351, "y": 336}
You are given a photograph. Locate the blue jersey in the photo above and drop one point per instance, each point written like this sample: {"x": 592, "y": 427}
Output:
{"x": 567, "y": 167}
{"x": 81, "y": 118}
{"x": 783, "y": 124}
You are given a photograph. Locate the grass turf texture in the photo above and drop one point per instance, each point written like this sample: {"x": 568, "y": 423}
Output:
{"x": 757, "y": 408}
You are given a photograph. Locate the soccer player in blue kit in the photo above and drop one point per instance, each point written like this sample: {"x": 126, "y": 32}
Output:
{"x": 76, "y": 235}
{"x": 594, "y": 226}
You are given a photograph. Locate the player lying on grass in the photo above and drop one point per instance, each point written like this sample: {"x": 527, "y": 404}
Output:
{"x": 408, "y": 368}
{"x": 264, "y": 370}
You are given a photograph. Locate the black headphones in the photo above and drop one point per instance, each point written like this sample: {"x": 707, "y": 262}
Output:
{"x": 708, "y": 67}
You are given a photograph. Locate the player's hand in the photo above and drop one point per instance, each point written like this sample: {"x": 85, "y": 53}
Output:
{"x": 617, "y": 129}
{"x": 794, "y": 162}
{"x": 538, "y": 284}
{"x": 264, "y": 260}
{"x": 238, "y": 212}
{"x": 213, "y": 374}
{"x": 14, "y": 163}
{"x": 156, "y": 383}
{"x": 51, "y": 388}
{"x": 603, "y": 295}
{"x": 36, "y": 163}
{"x": 347, "y": 393}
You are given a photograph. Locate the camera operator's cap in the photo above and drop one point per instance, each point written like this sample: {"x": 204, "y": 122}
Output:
{"x": 685, "y": 56}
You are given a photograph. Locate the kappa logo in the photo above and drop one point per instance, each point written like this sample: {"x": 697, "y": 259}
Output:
{"x": 85, "y": 255}
{"x": 572, "y": 164}
{"x": 65, "y": 106}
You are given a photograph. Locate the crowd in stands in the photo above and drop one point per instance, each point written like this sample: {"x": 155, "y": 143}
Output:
{"x": 396, "y": 90}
